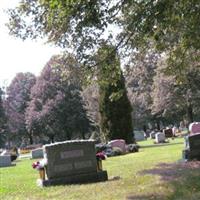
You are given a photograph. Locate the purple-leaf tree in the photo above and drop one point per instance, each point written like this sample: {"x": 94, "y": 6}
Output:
{"x": 3, "y": 120}
{"x": 57, "y": 109}
{"x": 18, "y": 97}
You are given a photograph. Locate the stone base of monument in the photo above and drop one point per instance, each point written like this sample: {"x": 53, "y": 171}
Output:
{"x": 77, "y": 179}
{"x": 191, "y": 155}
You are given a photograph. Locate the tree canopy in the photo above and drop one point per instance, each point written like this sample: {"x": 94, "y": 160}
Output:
{"x": 18, "y": 97}
{"x": 83, "y": 24}
{"x": 57, "y": 109}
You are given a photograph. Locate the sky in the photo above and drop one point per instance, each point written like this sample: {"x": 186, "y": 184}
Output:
{"x": 17, "y": 55}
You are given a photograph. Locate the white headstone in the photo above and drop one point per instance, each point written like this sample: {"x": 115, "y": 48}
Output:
{"x": 159, "y": 137}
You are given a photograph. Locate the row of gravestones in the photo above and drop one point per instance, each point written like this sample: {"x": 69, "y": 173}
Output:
{"x": 6, "y": 160}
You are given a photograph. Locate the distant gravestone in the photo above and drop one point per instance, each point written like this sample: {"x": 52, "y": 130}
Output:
{"x": 139, "y": 135}
{"x": 72, "y": 162}
{"x": 168, "y": 133}
{"x": 118, "y": 143}
{"x": 37, "y": 153}
{"x": 152, "y": 135}
{"x": 5, "y": 161}
{"x": 194, "y": 127}
{"x": 160, "y": 137}
{"x": 192, "y": 150}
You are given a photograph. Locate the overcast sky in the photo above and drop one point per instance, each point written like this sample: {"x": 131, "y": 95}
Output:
{"x": 16, "y": 55}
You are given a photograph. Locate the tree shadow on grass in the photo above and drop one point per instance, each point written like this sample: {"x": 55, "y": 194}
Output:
{"x": 145, "y": 197}
{"x": 160, "y": 145}
{"x": 183, "y": 178}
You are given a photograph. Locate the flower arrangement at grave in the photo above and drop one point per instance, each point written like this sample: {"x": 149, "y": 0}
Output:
{"x": 100, "y": 156}
{"x": 40, "y": 166}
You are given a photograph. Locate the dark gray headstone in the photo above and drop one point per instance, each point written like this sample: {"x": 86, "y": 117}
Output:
{"x": 192, "y": 150}
{"x": 70, "y": 158}
{"x": 168, "y": 133}
{"x": 5, "y": 161}
{"x": 37, "y": 153}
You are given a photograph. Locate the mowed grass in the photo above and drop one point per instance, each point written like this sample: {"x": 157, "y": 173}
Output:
{"x": 150, "y": 174}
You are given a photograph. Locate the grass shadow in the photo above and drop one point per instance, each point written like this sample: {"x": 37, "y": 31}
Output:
{"x": 160, "y": 145}
{"x": 183, "y": 178}
{"x": 145, "y": 197}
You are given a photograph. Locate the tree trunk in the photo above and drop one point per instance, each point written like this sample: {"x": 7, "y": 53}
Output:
{"x": 190, "y": 114}
{"x": 69, "y": 137}
{"x": 83, "y": 135}
{"x": 30, "y": 139}
{"x": 158, "y": 124}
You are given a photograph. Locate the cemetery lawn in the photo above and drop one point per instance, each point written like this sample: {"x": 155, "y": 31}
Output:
{"x": 156, "y": 172}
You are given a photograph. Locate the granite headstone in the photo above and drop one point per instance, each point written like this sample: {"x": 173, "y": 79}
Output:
{"x": 139, "y": 135}
{"x": 72, "y": 162}
{"x": 37, "y": 153}
{"x": 194, "y": 127}
{"x": 160, "y": 137}
{"x": 192, "y": 147}
{"x": 118, "y": 143}
{"x": 168, "y": 133}
{"x": 5, "y": 161}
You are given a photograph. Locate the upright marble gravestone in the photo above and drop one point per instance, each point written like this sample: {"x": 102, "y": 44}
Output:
{"x": 72, "y": 162}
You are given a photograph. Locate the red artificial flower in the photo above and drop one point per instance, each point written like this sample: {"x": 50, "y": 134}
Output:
{"x": 100, "y": 156}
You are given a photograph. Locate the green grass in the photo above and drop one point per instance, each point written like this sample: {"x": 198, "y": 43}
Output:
{"x": 141, "y": 177}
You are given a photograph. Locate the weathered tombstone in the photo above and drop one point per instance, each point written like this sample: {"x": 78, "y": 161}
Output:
{"x": 37, "y": 153}
{"x": 192, "y": 150}
{"x": 168, "y": 133}
{"x": 5, "y": 161}
{"x": 194, "y": 127}
{"x": 118, "y": 143}
{"x": 139, "y": 135}
{"x": 72, "y": 162}
{"x": 152, "y": 135}
{"x": 160, "y": 137}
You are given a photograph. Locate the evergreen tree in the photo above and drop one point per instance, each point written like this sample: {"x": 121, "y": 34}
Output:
{"x": 115, "y": 108}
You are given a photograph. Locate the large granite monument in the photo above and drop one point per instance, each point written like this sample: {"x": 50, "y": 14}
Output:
{"x": 72, "y": 162}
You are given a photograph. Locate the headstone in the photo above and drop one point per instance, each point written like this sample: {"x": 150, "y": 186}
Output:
{"x": 194, "y": 127}
{"x": 139, "y": 135}
{"x": 160, "y": 137}
{"x": 118, "y": 143}
{"x": 152, "y": 135}
{"x": 72, "y": 162}
{"x": 192, "y": 147}
{"x": 168, "y": 133}
{"x": 37, "y": 153}
{"x": 5, "y": 161}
